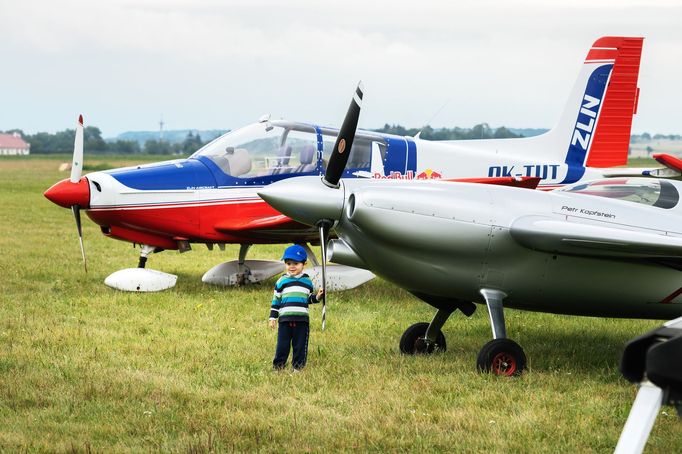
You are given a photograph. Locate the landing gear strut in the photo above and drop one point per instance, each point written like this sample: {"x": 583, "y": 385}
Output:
{"x": 242, "y": 271}
{"x": 425, "y": 338}
{"x": 500, "y": 356}
{"x": 145, "y": 250}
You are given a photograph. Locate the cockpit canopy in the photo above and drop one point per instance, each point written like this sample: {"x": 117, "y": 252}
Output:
{"x": 647, "y": 191}
{"x": 279, "y": 147}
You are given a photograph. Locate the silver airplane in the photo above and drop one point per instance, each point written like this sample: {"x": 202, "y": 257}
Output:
{"x": 607, "y": 248}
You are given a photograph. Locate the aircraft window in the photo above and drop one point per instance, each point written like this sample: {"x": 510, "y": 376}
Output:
{"x": 647, "y": 191}
{"x": 263, "y": 149}
{"x": 360, "y": 154}
{"x": 300, "y": 152}
{"x": 243, "y": 152}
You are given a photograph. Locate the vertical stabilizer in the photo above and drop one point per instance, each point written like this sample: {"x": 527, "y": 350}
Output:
{"x": 595, "y": 125}
{"x": 612, "y": 137}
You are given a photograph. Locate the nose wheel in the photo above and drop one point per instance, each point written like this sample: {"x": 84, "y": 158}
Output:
{"x": 415, "y": 342}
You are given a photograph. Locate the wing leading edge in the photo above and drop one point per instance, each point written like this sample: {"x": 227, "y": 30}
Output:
{"x": 556, "y": 236}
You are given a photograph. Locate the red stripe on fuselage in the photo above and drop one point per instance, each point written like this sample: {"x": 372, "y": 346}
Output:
{"x": 669, "y": 299}
{"x": 194, "y": 221}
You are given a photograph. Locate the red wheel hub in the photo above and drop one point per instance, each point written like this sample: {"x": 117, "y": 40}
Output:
{"x": 503, "y": 364}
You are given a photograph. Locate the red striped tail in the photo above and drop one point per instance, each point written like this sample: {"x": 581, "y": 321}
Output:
{"x": 611, "y": 138}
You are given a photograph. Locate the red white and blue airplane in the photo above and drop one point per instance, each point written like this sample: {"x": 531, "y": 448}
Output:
{"x": 211, "y": 197}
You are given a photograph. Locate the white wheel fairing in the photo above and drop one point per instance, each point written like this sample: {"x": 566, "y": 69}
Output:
{"x": 140, "y": 280}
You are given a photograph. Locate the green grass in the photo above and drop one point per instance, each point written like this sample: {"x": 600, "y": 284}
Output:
{"x": 84, "y": 367}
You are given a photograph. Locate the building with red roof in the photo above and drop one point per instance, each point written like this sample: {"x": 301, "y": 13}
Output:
{"x": 13, "y": 144}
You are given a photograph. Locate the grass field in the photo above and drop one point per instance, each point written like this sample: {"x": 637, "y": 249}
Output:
{"x": 86, "y": 368}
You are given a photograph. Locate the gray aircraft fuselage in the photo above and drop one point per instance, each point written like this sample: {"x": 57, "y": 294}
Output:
{"x": 451, "y": 240}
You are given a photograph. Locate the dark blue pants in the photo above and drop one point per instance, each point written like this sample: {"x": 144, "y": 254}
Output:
{"x": 291, "y": 334}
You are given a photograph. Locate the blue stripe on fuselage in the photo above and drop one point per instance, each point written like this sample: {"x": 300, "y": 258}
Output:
{"x": 320, "y": 150}
{"x": 411, "y": 155}
{"x": 583, "y": 129}
{"x": 167, "y": 175}
{"x": 396, "y": 159}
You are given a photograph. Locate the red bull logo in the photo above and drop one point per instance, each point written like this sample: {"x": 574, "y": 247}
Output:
{"x": 394, "y": 176}
{"x": 427, "y": 174}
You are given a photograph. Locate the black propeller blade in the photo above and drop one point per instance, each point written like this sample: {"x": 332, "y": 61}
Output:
{"x": 324, "y": 227}
{"x": 76, "y": 209}
{"x": 335, "y": 168}
{"x": 344, "y": 142}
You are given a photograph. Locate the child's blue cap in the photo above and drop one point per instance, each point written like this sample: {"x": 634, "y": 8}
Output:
{"x": 296, "y": 253}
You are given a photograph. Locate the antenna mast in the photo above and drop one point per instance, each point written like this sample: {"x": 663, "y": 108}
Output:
{"x": 161, "y": 123}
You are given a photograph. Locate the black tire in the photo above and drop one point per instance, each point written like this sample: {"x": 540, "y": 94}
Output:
{"x": 502, "y": 357}
{"x": 413, "y": 342}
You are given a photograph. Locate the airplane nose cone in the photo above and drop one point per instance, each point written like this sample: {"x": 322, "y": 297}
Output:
{"x": 67, "y": 194}
{"x": 305, "y": 199}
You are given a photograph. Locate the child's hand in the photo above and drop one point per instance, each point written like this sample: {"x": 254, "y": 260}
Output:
{"x": 320, "y": 294}
{"x": 272, "y": 323}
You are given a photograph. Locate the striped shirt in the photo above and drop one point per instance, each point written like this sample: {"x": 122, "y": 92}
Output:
{"x": 291, "y": 298}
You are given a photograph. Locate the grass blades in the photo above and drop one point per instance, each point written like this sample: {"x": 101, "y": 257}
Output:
{"x": 86, "y": 368}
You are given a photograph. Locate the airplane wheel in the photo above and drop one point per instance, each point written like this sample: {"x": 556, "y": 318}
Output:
{"x": 502, "y": 357}
{"x": 413, "y": 341}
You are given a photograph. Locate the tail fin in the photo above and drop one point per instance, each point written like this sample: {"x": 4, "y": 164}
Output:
{"x": 594, "y": 128}
{"x": 597, "y": 119}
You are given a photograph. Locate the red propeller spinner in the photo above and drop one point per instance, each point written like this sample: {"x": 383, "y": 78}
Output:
{"x": 67, "y": 194}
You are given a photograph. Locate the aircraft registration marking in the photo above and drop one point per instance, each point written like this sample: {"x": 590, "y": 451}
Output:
{"x": 543, "y": 171}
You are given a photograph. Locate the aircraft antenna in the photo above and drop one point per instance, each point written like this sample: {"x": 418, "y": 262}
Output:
{"x": 161, "y": 123}
{"x": 447, "y": 101}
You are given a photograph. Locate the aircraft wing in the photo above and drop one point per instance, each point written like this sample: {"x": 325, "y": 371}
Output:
{"x": 517, "y": 182}
{"x": 557, "y": 236}
{"x": 672, "y": 168}
{"x": 669, "y": 161}
{"x": 240, "y": 224}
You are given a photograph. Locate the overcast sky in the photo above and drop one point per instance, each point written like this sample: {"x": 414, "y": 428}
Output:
{"x": 222, "y": 64}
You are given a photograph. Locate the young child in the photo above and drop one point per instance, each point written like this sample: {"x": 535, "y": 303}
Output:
{"x": 293, "y": 293}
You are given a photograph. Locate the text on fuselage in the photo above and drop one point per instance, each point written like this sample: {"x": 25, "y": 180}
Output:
{"x": 583, "y": 131}
{"x": 543, "y": 171}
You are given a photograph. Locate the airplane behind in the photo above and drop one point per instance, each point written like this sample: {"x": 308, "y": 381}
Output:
{"x": 211, "y": 196}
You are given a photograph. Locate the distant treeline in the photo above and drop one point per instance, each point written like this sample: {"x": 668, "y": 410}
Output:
{"x": 646, "y": 137}
{"x": 62, "y": 142}
{"x": 480, "y": 131}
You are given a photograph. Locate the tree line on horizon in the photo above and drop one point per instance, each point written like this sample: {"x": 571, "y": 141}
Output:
{"x": 62, "y": 141}
{"x": 479, "y": 131}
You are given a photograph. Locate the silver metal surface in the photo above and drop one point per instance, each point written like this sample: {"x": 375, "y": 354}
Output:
{"x": 436, "y": 324}
{"x": 306, "y": 198}
{"x": 493, "y": 299}
{"x": 641, "y": 419}
{"x": 339, "y": 252}
{"x": 454, "y": 239}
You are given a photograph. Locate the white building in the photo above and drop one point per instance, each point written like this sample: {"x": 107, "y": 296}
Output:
{"x": 13, "y": 144}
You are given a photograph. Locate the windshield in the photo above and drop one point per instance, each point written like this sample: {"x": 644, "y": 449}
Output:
{"x": 360, "y": 153}
{"x": 647, "y": 191}
{"x": 263, "y": 149}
